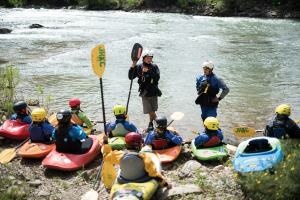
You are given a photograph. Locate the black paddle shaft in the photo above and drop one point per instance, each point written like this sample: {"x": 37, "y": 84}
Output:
{"x": 103, "y": 108}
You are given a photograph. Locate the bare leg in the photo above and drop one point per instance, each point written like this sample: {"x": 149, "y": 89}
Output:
{"x": 152, "y": 116}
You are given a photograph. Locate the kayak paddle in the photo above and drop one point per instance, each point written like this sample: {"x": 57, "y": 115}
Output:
{"x": 8, "y": 154}
{"x": 175, "y": 117}
{"x": 136, "y": 53}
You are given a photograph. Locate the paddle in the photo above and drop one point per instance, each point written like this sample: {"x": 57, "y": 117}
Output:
{"x": 8, "y": 154}
{"x": 244, "y": 131}
{"x": 98, "y": 65}
{"x": 176, "y": 116}
{"x": 136, "y": 53}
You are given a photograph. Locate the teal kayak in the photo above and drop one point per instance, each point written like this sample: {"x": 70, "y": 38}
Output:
{"x": 257, "y": 154}
{"x": 209, "y": 153}
{"x": 117, "y": 143}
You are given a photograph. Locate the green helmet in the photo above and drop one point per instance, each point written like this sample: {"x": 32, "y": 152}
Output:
{"x": 119, "y": 110}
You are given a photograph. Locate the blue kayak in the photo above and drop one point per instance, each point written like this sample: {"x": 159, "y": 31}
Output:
{"x": 257, "y": 154}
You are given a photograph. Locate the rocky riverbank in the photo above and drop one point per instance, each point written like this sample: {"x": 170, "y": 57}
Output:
{"x": 190, "y": 179}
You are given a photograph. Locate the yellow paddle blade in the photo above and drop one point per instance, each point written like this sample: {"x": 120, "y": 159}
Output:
{"x": 108, "y": 174}
{"x": 98, "y": 60}
{"x": 243, "y": 131}
{"x": 7, "y": 155}
{"x": 52, "y": 119}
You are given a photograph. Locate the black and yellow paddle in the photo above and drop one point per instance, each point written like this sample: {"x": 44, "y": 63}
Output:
{"x": 136, "y": 53}
{"x": 8, "y": 154}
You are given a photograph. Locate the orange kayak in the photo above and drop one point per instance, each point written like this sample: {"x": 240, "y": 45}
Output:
{"x": 72, "y": 162}
{"x": 168, "y": 155}
{"x": 35, "y": 150}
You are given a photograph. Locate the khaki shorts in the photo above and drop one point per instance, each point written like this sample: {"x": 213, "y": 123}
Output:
{"x": 149, "y": 104}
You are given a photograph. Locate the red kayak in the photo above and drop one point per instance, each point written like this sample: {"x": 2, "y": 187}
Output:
{"x": 169, "y": 154}
{"x": 14, "y": 129}
{"x": 72, "y": 162}
{"x": 35, "y": 150}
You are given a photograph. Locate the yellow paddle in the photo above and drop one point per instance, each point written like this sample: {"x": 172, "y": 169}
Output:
{"x": 244, "y": 131}
{"x": 8, "y": 154}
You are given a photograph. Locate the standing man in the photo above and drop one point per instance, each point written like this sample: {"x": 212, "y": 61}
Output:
{"x": 208, "y": 86}
{"x": 148, "y": 76}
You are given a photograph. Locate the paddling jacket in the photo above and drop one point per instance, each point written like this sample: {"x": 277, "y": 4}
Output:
{"x": 164, "y": 140}
{"x": 120, "y": 128}
{"x": 148, "y": 81}
{"x": 209, "y": 138}
{"x": 134, "y": 166}
{"x": 41, "y": 132}
{"x": 80, "y": 118}
{"x": 69, "y": 139}
{"x": 25, "y": 118}
{"x": 208, "y": 87}
{"x": 282, "y": 128}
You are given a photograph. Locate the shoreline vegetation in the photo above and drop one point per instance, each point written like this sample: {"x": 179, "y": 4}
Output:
{"x": 224, "y": 8}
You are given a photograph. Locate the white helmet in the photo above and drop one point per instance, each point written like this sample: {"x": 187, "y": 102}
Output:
{"x": 208, "y": 64}
{"x": 147, "y": 52}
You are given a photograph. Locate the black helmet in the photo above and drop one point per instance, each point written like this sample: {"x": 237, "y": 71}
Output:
{"x": 64, "y": 116}
{"x": 161, "y": 122}
{"x": 19, "y": 106}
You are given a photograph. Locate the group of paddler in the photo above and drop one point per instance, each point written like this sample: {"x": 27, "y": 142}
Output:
{"x": 137, "y": 164}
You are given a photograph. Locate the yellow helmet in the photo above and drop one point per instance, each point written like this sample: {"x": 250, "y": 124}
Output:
{"x": 38, "y": 114}
{"x": 119, "y": 110}
{"x": 211, "y": 123}
{"x": 283, "y": 109}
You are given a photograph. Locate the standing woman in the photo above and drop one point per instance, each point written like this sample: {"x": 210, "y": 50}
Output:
{"x": 70, "y": 138}
{"x": 208, "y": 86}
{"x": 148, "y": 76}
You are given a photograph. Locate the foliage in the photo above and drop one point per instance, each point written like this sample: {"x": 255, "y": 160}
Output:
{"x": 9, "y": 79}
{"x": 43, "y": 100}
{"x": 129, "y": 4}
{"x": 12, "y": 189}
{"x": 17, "y": 3}
{"x": 280, "y": 183}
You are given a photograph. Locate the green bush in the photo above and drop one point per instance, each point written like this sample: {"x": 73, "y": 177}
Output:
{"x": 280, "y": 183}
{"x": 9, "y": 79}
{"x": 17, "y": 3}
{"x": 130, "y": 4}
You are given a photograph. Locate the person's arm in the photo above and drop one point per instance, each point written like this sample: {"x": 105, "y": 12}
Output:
{"x": 48, "y": 129}
{"x": 176, "y": 139}
{"x": 293, "y": 129}
{"x": 220, "y": 134}
{"x": 151, "y": 169}
{"x": 132, "y": 73}
{"x": 27, "y": 120}
{"x": 77, "y": 132}
{"x": 201, "y": 83}
{"x": 85, "y": 119}
{"x": 130, "y": 127}
{"x": 155, "y": 75}
{"x": 114, "y": 157}
{"x": 201, "y": 139}
{"x": 149, "y": 138}
{"x": 53, "y": 135}
{"x": 225, "y": 89}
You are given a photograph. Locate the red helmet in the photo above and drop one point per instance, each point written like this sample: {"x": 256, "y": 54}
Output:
{"x": 133, "y": 139}
{"x": 74, "y": 102}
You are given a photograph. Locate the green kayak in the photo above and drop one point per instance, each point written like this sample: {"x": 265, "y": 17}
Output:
{"x": 209, "y": 153}
{"x": 117, "y": 143}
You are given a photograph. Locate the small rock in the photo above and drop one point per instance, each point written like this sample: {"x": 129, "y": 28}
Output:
{"x": 35, "y": 183}
{"x": 36, "y": 26}
{"x": 218, "y": 168}
{"x": 178, "y": 190}
{"x": 188, "y": 168}
{"x": 43, "y": 193}
{"x": 5, "y": 30}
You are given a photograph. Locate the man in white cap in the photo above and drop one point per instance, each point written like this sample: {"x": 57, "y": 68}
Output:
{"x": 208, "y": 86}
{"x": 148, "y": 76}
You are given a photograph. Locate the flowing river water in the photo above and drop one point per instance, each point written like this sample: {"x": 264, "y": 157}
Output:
{"x": 257, "y": 58}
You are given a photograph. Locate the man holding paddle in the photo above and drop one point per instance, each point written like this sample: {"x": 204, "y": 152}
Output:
{"x": 208, "y": 86}
{"x": 148, "y": 76}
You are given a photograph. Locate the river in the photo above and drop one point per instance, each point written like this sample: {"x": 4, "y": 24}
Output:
{"x": 257, "y": 58}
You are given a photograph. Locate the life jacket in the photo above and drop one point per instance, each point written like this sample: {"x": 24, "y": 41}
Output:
{"x": 160, "y": 141}
{"x": 132, "y": 169}
{"x": 65, "y": 143}
{"x": 277, "y": 129}
{"x": 119, "y": 130}
{"x": 37, "y": 133}
{"x": 75, "y": 119}
{"x": 214, "y": 140}
{"x": 206, "y": 94}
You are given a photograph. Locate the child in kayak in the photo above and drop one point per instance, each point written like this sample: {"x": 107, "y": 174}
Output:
{"x": 78, "y": 116}
{"x": 161, "y": 137}
{"x": 70, "y": 138}
{"x": 40, "y": 130}
{"x": 212, "y": 135}
{"x": 120, "y": 127}
{"x": 135, "y": 166}
{"x": 281, "y": 126}
{"x": 21, "y": 112}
